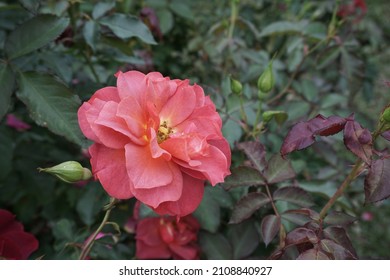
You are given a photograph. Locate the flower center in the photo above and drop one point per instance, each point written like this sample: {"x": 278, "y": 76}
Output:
{"x": 163, "y": 132}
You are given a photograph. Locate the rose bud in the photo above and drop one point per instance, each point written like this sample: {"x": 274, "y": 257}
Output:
{"x": 266, "y": 81}
{"x": 69, "y": 171}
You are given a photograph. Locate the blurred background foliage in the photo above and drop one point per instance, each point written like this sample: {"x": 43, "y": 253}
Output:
{"x": 326, "y": 60}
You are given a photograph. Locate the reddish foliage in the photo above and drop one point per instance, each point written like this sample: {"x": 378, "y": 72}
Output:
{"x": 15, "y": 243}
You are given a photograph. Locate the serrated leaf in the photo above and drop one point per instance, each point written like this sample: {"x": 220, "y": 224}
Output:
{"x": 215, "y": 246}
{"x": 336, "y": 250}
{"x": 52, "y": 105}
{"x": 296, "y": 218}
{"x": 302, "y": 134}
{"x": 313, "y": 254}
{"x": 208, "y": 221}
{"x": 278, "y": 170}
{"x": 301, "y": 235}
{"x": 7, "y": 81}
{"x": 294, "y": 195}
{"x": 339, "y": 219}
{"x": 358, "y": 140}
{"x": 166, "y": 20}
{"x": 255, "y": 151}
{"x": 244, "y": 239}
{"x": 339, "y": 235}
{"x": 91, "y": 33}
{"x": 243, "y": 176}
{"x": 377, "y": 181}
{"x": 34, "y": 34}
{"x": 306, "y": 212}
{"x": 181, "y": 8}
{"x": 247, "y": 205}
{"x": 128, "y": 26}
{"x": 270, "y": 226}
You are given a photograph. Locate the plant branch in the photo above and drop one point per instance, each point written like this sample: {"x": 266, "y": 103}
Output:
{"x": 90, "y": 241}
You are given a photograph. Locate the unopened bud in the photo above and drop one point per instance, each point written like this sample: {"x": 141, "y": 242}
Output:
{"x": 69, "y": 171}
{"x": 266, "y": 81}
{"x": 235, "y": 86}
{"x": 386, "y": 115}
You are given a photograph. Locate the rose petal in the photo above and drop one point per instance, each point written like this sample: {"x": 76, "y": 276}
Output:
{"x": 190, "y": 199}
{"x": 184, "y": 252}
{"x": 131, "y": 83}
{"x": 145, "y": 171}
{"x": 109, "y": 166}
{"x": 153, "y": 197}
{"x": 145, "y": 252}
{"x": 179, "y": 106}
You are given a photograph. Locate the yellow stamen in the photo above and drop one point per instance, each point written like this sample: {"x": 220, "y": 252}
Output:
{"x": 163, "y": 132}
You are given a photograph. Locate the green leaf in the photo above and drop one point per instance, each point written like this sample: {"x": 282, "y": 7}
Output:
{"x": 91, "y": 33}
{"x": 128, "y": 26}
{"x": 7, "y": 81}
{"x": 208, "y": 213}
{"x": 52, "y": 105}
{"x": 278, "y": 170}
{"x": 102, "y": 8}
{"x": 181, "y": 8}
{"x": 269, "y": 228}
{"x": 244, "y": 239}
{"x": 215, "y": 246}
{"x": 243, "y": 176}
{"x": 222, "y": 197}
{"x": 247, "y": 205}
{"x": 64, "y": 229}
{"x": 30, "y": 5}
{"x": 294, "y": 195}
{"x": 282, "y": 27}
{"x": 166, "y": 20}
{"x": 6, "y": 152}
{"x": 34, "y": 34}
{"x": 89, "y": 205}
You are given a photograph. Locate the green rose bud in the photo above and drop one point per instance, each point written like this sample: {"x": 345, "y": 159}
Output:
{"x": 386, "y": 115}
{"x": 69, "y": 171}
{"x": 235, "y": 86}
{"x": 266, "y": 81}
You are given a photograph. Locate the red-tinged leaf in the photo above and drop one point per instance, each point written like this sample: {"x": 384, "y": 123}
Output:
{"x": 386, "y": 135}
{"x": 377, "y": 182}
{"x": 255, "y": 151}
{"x": 305, "y": 212}
{"x": 313, "y": 254}
{"x": 339, "y": 235}
{"x": 243, "y": 176}
{"x": 358, "y": 140}
{"x": 336, "y": 250}
{"x": 247, "y": 205}
{"x": 294, "y": 195}
{"x": 269, "y": 228}
{"x": 299, "y": 137}
{"x": 278, "y": 170}
{"x": 330, "y": 126}
{"x": 339, "y": 219}
{"x": 301, "y": 235}
{"x": 302, "y": 135}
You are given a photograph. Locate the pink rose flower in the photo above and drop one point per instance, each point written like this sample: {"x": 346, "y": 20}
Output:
{"x": 15, "y": 243}
{"x": 157, "y": 140}
{"x": 165, "y": 238}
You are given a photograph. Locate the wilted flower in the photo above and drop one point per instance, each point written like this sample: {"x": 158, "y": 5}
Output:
{"x": 155, "y": 139}
{"x": 15, "y": 243}
{"x": 165, "y": 238}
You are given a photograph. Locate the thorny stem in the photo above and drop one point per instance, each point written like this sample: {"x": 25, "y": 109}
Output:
{"x": 351, "y": 176}
{"x": 88, "y": 246}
